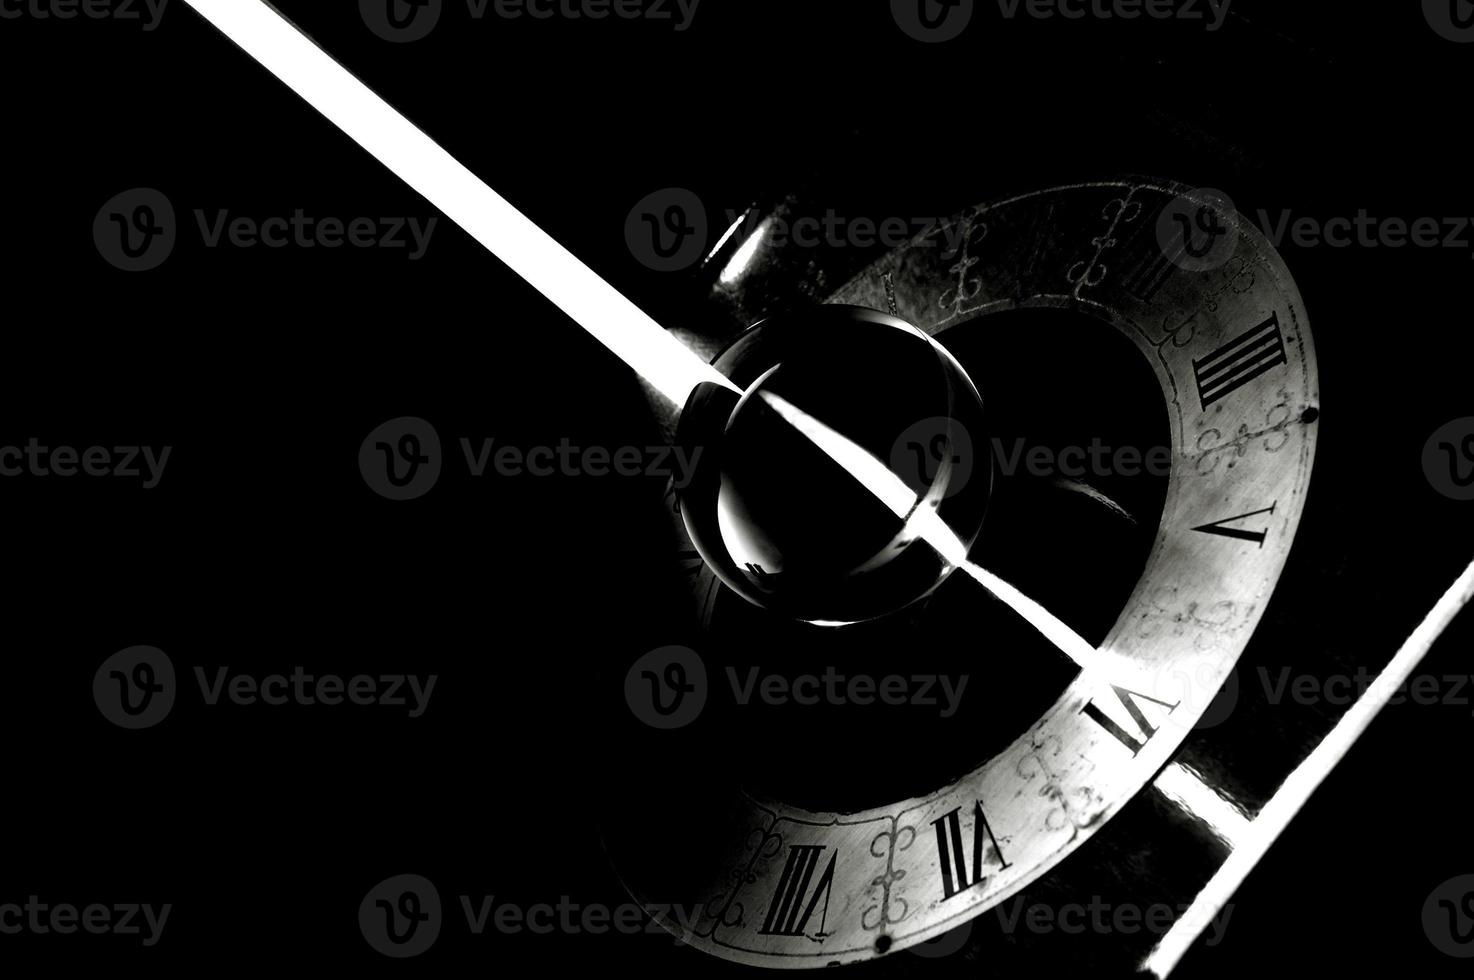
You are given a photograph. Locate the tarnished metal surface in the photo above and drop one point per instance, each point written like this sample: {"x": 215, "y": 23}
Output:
{"x": 1231, "y": 351}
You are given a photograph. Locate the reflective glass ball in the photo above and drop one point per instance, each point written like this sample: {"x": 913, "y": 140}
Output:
{"x": 849, "y": 424}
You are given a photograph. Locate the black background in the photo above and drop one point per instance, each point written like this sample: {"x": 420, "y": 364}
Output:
{"x": 263, "y": 549}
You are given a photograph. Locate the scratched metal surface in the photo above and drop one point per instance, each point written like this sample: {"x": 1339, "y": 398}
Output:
{"x": 1158, "y": 851}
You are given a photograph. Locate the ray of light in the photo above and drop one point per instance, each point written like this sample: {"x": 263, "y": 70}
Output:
{"x": 612, "y": 319}
{"x": 924, "y": 522}
{"x": 1254, "y": 841}
{"x": 1188, "y": 791}
{"x": 674, "y": 370}
{"x": 657, "y": 355}
{"x": 744, "y": 256}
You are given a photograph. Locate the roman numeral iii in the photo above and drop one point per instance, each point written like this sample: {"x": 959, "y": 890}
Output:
{"x": 1240, "y": 361}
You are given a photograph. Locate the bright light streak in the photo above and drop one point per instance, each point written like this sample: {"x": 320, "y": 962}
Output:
{"x": 928, "y": 525}
{"x": 1116, "y": 672}
{"x": 1254, "y": 841}
{"x": 732, "y": 229}
{"x": 1185, "y": 788}
{"x": 746, "y": 254}
{"x": 856, "y": 460}
{"x": 461, "y": 196}
{"x": 675, "y": 371}
{"x": 658, "y": 356}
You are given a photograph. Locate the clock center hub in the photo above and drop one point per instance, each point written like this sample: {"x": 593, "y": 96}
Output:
{"x": 853, "y": 433}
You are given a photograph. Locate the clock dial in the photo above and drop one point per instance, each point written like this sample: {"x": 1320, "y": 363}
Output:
{"x": 1223, "y": 343}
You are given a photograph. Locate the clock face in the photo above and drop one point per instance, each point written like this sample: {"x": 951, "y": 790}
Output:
{"x": 1136, "y": 308}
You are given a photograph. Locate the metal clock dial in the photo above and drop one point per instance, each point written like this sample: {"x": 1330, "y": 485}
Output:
{"x": 1228, "y": 341}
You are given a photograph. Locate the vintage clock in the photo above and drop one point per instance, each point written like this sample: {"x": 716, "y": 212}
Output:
{"x": 1192, "y": 334}
{"x": 871, "y": 502}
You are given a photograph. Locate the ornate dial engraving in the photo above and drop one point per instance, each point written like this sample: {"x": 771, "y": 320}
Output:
{"x": 1232, "y": 352}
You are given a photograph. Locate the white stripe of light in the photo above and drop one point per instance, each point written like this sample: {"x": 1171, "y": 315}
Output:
{"x": 924, "y": 522}
{"x": 675, "y": 371}
{"x": 1186, "y": 789}
{"x": 461, "y": 196}
{"x": 658, "y": 356}
{"x": 1255, "y": 840}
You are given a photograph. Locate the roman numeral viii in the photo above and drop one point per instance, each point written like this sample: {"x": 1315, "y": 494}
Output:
{"x": 1240, "y": 361}
{"x": 953, "y": 858}
{"x": 788, "y": 915}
